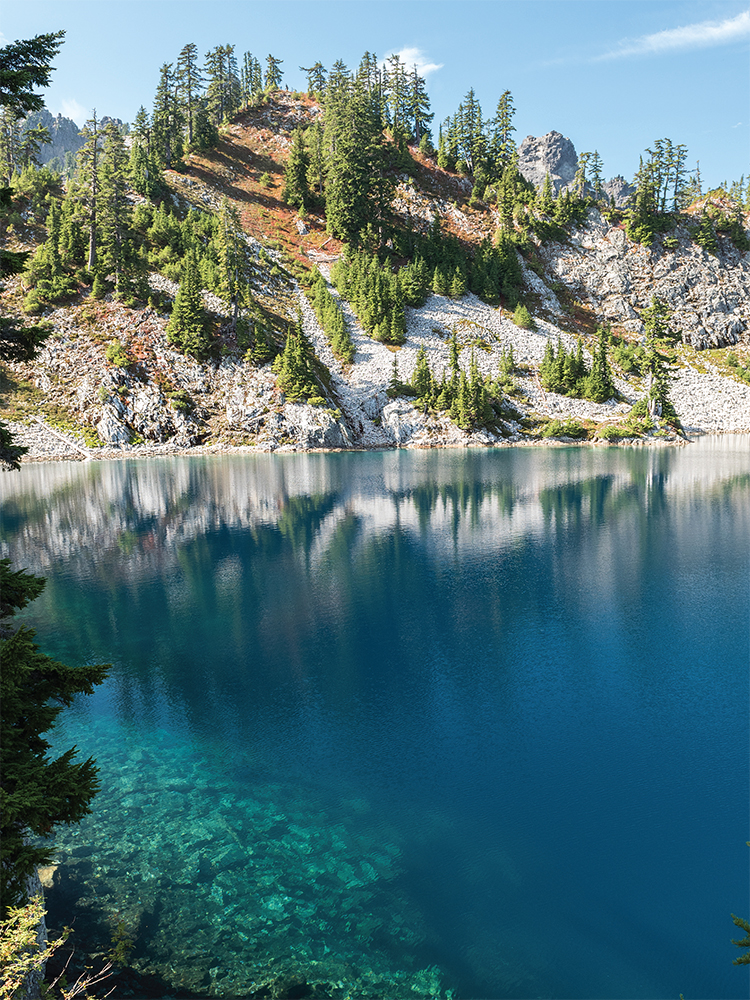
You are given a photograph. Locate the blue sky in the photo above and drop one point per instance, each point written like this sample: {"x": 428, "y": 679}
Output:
{"x": 613, "y": 75}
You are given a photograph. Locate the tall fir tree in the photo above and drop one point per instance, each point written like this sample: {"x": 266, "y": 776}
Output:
{"x": 88, "y": 170}
{"x": 358, "y": 186}
{"x": 167, "y": 120}
{"x": 502, "y": 143}
{"x": 187, "y": 324}
{"x": 232, "y": 259}
{"x": 189, "y": 81}
{"x": 295, "y": 173}
{"x": 145, "y": 172}
{"x": 600, "y": 385}
{"x": 10, "y": 141}
{"x": 273, "y": 75}
{"x": 316, "y": 77}
{"x": 117, "y": 254}
{"x": 420, "y": 107}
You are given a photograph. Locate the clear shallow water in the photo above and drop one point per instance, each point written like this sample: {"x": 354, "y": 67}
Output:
{"x": 402, "y": 723}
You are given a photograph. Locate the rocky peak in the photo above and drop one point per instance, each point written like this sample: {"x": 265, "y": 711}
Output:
{"x": 619, "y": 189}
{"x": 64, "y": 133}
{"x": 552, "y": 153}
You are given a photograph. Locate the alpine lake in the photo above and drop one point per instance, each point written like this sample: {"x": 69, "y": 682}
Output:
{"x": 404, "y": 724}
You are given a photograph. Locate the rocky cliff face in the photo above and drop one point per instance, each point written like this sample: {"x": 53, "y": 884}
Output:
{"x": 556, "y": 155}
{"x": 709, "y": 295}
{"x": 65, "y": 134}
{"x": 619, "y": 190}
{"x": 551, "y": 153}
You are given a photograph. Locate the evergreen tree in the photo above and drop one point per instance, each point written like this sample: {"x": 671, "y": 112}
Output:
{"x": 374, "y": 80}
{"x": 273, "y": 72}
{"x": 72, "y": 240}
{"x": 295, "y": 173}
{"x": 88, "y": 166}
{"x": 600, "y": 385}
{"x": 316, "y": 165}
{"x": 189, "y": 82}
{"x": 656, "y": 320}
{"x": 224, "y": 90}
{"x": 145, "y": 173}
{"x": 705, "y": 236}
{"x": 580, "y": 181}
{"x": 546, "y": 202}
{"x": 458, "y": 283}
{"x": 655, "y": 366}
{"x": 502, "y": 144}
{"x": 187, "y": 324}
{"x": 117, "y": 255}
{"x": 30, "y": 142}
{"x": 316, "y": 78}
{"x": 397, "y": 90}
{"x": 10, "y": 141}
{"x": 421, "y": 379}
{"x": 37, "y": 792}
{"x": 206, "y": 134}
{"x": 166, "y": 120}
{"x": 231, "y": 259}
{"x": 596, "y": 182}
{"x": 251, "y": 79}
{"x": 467, "y": 127}
{"x": 744, "y": 958}
{"x": 420, "y": 109}
{"x": 294, "y": 373}
{"x": 25, "y": 65}
{"x": 358, "y": 186}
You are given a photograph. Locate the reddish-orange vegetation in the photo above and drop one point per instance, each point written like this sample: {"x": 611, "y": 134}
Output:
{"x": 248, "y": 165}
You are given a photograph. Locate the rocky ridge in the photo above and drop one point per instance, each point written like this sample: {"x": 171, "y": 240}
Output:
{"x": 555, "y": 154}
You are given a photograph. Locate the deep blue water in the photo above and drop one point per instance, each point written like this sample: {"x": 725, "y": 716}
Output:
{"x": 404, "y": 723}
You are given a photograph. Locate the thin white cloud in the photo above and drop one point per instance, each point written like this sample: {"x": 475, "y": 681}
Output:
{"x": 3, "y": 40}
{"x": 70, "y": 108}
{"x": 415, "y": 57}
{"x": 704, "y": 35}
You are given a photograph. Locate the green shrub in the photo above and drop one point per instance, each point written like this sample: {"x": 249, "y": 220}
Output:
{"x": 32, "y": 303}
{"x": 628, "y": 357}
{"x": 99, "y": 288}
{"x": 565, "y": 428}
{"x": 117, "y": 355}
{"x": 180, "y": 400}
{"x": 522, "y": 317}
{"x": 265, "y": 180}
{"x": 615, "y": 432}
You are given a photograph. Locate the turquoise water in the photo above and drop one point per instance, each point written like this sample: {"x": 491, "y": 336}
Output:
{"x": 405, "y": 724}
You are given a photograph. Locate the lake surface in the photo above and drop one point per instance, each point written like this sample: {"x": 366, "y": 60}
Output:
{"x": 405, "y": 723}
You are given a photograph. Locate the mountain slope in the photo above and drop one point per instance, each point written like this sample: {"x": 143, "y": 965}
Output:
{"x": 153, "y": 398}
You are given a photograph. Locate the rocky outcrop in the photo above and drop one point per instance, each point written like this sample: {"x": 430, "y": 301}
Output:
{"x": 556, "y": 155}
{"x": 619, "y": 191}
{"x": 65, "y": 135}
{"x": 551, "y": 153}
{"x": 708, "y": 295}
